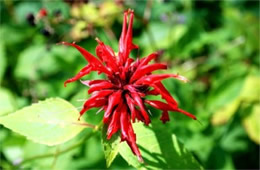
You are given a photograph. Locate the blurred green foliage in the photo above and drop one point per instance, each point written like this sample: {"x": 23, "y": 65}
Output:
{"x": 215, "y": 44}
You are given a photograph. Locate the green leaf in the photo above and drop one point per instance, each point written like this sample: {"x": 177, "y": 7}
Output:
{"x": 252, "y": 124}
{"x": 111, "y": 146}
{"x": 2, "y": 60}
{"x": 234, "y": 140}
{"x": 50, "y": 122}
{"x": 225, "y": 93}
{"x": 7, "y": 102}
{"x": 159, "y": 148}
{"x": 251, "y": 89}
{"x": 34, "y": 62}
{"x": 223, "y": 115}
{"x": 248, "y": 93}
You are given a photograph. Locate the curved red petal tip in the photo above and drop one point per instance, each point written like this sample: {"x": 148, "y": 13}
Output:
{"x": 165, "y": 117}
{"x": 65, "y": 43}
{"x": 98, "y": 40}
{"x": 140, "y": 159}
{"x": 85, "y": 82}
{"x": 187, "y": 113}
{"x": 147, "y": 122}
{"x": 130, "y": 10}
{"x": 59, "y": 43}
{"x": 65, "y": 84}
{"x": 182, "y": 78}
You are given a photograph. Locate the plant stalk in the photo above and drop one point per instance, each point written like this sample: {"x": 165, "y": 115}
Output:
{"x": 57, "y": 154}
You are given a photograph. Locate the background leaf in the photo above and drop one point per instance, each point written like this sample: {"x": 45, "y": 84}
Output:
{"x": 50, "y": 122}
{"x": 252, "y": 124}
{"x": 33, "y": 62}
{"x": 159, "y": 148}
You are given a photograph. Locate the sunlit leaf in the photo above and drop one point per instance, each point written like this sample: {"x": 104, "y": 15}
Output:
{"x": 50, "y": 122}
{"x": 223, "y": 114}
{"x": 249, "y": 93}
{"x": 159, "y": 148}
{"x": 252, "y": 124}
{"x": 251, "y": 89}
{"x": 111, "y": 146}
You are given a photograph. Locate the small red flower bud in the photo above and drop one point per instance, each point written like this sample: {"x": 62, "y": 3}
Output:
{"x": 42, "y": 13}
{"x": 122, "y": 94}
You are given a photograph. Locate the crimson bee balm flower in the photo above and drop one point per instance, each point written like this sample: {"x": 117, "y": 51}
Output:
{"x": 122, "y": 94}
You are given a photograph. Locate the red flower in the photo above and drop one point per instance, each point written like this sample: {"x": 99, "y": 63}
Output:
{"x": 122, "y": 94}
{"x": 42, "y": 13}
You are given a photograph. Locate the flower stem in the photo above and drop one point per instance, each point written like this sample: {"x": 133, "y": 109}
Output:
{"x": 57, "y": 154}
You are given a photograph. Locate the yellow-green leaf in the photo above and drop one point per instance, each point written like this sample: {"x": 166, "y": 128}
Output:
{"x": 51, "y": 122}
{"x": 249, "y": 93}
{"x": 223, "y": 114}
{"x": 252, "y": 124}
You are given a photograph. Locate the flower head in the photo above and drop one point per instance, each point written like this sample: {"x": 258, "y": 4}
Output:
{"x": 122, "y": 94}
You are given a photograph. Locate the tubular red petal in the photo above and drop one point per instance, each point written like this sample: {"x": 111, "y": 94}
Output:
{"x": 139, "y": 102}
{"x": 131, "y": 107}
{"x": 129, "y": 61}
{"x": 129, "y": 36}
{"x": 187, "y": 114}
{"x": 128, "y": 135}
{"x": 92, "y": 102}
{"x": 159, "y": 87}
{"x": 129, "y": 33}
{"x": 146, "y": 60}
{"x": 91, "y": 82}
{"x": 158, "y": 104}
{"x": 132, "y": 89}
{"x": 131, "y": 140}
{"x": 96, "y": 100}
{"x": 165, "y": 107}
{"x": 141, "y": 71}
{"x": 150, "y": 79}
{"x": 165, "y": 117}
{"x": 152, "y": 92}
{"x": 124, "y": 123}
{"x": 113, "y": 100}
{"x": 102, "y": 93}
{"x": 123, "y": 34}
{"x": 122, "y": 39}
{"x": 97, "y": 65}
{"x": 100, "y": 86}
{"x": 114, "y": 124}
{"x": 86, "y": 70}
{"x": 106, "y": 54}
{"x": 125, "y": 42}
{"x": 139, "y": 115}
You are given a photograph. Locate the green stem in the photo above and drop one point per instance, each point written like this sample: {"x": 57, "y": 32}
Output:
{"x": 47, "y": 155}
